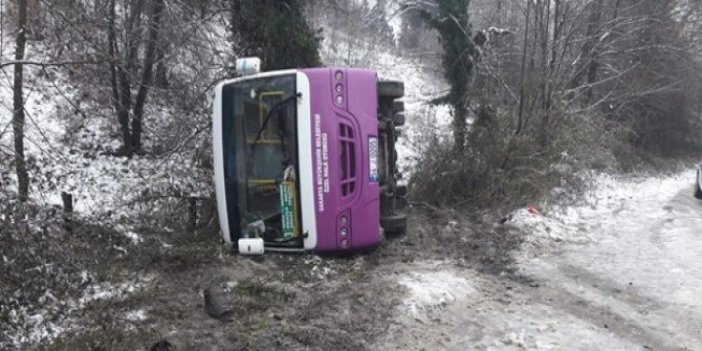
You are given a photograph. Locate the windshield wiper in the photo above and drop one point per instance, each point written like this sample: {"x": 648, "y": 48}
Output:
{"x": 268, "y": 117}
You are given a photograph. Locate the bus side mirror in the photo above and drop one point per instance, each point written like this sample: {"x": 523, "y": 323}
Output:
{"x": 247, "y": 66}
{"x": 251, "y": 246}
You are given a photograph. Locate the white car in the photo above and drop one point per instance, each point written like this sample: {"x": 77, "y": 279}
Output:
{"x": 698, "y": 183}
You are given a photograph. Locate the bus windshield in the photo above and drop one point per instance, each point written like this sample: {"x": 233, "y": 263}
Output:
{"x": 264, "y": 168}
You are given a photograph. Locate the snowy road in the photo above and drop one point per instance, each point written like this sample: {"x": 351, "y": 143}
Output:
{"x": 621, "y": 272}
{"x": 641, "y": 273}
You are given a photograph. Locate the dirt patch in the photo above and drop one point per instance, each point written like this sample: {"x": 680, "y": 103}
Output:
{"x": 280, "y": 302}
{"x": 447, "y": 234}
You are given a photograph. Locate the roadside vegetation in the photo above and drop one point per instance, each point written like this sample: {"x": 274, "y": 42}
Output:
{"x": 553, "y": 88}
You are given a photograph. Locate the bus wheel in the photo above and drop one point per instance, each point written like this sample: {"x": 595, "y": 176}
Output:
{"x": 398, "y": 106}
{"x": 399, "y": 119}
{"x": 391, "y": 89}
{"x": 394, "y": 224}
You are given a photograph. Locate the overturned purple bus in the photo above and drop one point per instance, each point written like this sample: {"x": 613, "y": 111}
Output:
{"x": 305, "y": 159}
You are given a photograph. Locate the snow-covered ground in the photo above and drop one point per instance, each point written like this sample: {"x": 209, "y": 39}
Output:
{"x": 454, "y": 309}
{"x": 619, "y": 270}
{"x": 432, "y": 290}
{"x": 634, "y": 253}
{"x": 598, "y": 207}
{"x": 422, "y": 84}
{"x": 45, "y": 326}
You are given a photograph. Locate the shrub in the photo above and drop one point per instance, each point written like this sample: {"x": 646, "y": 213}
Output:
{"x": 499, "y": 168}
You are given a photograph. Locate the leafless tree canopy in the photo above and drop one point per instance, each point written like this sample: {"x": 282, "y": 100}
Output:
{"x": 582, "y": 78}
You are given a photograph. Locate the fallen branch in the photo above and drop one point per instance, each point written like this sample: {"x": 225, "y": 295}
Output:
{"x": 45, "y": 64}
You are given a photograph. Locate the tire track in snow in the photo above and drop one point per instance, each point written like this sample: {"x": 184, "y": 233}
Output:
{"x": 638, "y": 275}
{"x": 625, "y": 314}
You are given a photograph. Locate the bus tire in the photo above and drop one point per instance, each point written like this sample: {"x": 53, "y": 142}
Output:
{"x": 394, "y": 224}
{"x": 398, "y": 106}
{"x": 399, "y": 119}
{"x": 390, "y": 89}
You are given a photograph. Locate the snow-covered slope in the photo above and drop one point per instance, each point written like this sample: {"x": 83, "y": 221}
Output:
{"x": 419, "y": 73}
{"x": 69, "y": 146}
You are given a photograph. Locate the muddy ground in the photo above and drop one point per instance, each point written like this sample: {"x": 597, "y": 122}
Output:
{"x": 281, "y": 301}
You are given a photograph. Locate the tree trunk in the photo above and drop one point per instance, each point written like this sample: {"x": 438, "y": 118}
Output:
{"x": 192, "y": 213}
{"x": 34, "y": 23}
{"x": 147, "y": 73}
{"x": 522, "y": 75}
{"x": 557, "y": 30}
{"x": 593, "y": 65}
{"x": 589, "y": 50}
{"x": 18, "y": 104}
{"x": 125, "y": 103}
{"x": 161, "y": 71}
{"x": 546, "y": 74}
{"x": 67, "y": 211}
{"x": 460, "y": 125}
{"x": 117, "y": 78}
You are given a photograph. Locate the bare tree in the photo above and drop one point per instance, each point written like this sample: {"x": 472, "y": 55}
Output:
{"x": 18, "y": 103}
{"x": 123, "y": 68}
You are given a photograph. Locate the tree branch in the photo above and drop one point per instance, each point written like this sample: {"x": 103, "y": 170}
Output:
{"x": 45, "y": 64}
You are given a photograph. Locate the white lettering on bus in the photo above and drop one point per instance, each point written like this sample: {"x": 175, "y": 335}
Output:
{"x": 325, "y": 159}
{"x": 318, "y": 158}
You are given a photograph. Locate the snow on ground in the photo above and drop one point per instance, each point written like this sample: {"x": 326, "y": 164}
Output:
{"x": 57, "y": 318}
{"x": 632, "y": 250}
{"x": 598, "y": 207}
{"x": 134, "y": 237}
{"x": 103, "y": 291}
{"x": 430, "y": 290}
{"x": 616, "y": 270}
{"x": 422, "y": 84}
{"x": 136, "y": 315}
{"x": 449, "y": 308}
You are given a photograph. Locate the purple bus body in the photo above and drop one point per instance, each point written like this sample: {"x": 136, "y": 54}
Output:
{"x": 341, "y": 121}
